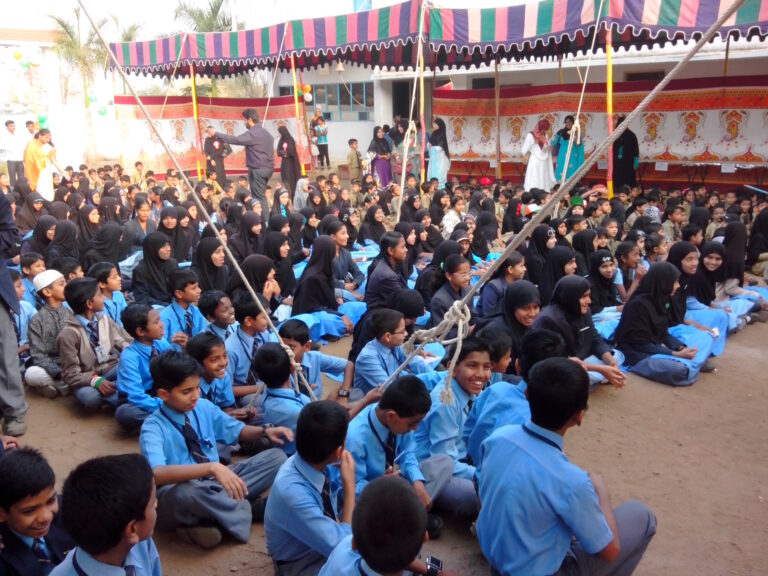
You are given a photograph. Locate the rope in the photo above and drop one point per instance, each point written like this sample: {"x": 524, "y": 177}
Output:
{"x": 173, "y": 74}
{"x": 274, "y": 74}
{"x": 207, "y": 217}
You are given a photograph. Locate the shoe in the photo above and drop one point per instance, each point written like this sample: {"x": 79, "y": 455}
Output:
{"x": 14, "y": 426}
{"x": 47, "y": 391}
{"x": 258, "y": 506}
{"x": 434, "y": 526}
{"x": 708, "y": 366}
{"x": 203, "y": 536}
{"x": 761, "y": 316}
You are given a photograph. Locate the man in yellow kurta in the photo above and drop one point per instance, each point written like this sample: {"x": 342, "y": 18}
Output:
{"x": 34, "y": 157}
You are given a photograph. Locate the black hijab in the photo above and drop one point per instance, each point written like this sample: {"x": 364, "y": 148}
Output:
{"x": 408, "y": 210}
{"x": 27, "y": 217}
{"x": 604, "y": 291}
{"x": 39, "y": 241}
{"x": 283, "y": 268}
{"x": 553, "y": 270}
{"x": 574, "y": 326}
{"x": 245, "y": 242}
{"x": 436, "y": 208}
{"x": 75, "y": 201}
{"x": 677, "y": 308}
{"x": 176, "y": 236}
{"x": 234, "y": 216}
{"x": 153, "y": 271}
{"x": 378, "y": 145}
{"x": 64, "y": 243}
{"x": 308, "y": 233}
{"x": 328, "y": 219}
{"x": 105, "y": 245}
{"x": 109, "y": 210}
{"x": 536, "y": 253}
{"x": 561, "y": 239}
{"x": 276, "y": 222}
{"x": 371, "y": 229}
{"x": 209, "y": 277}
{"x": 486, "y": 222}
{"x": 434, "y": 238}
{"x": 758, "y": 238}
{"x": 58, "y": 210}
{"x": 736, "y": 248}
{"x": 85, "y": 228}
{"x": 256, "y": 269}
{"x": 345, "y": 218}
{"x": 513, "y": 216}
{"x": 439, "y": 137}
{"x": 426, "y": 280}
{"x": 699, "y": 215}
{"x": 405, "y": 228}
{"x": 702, "y": 285}
{"x": 314, "y": 290}
{"x": 583, "y": 245}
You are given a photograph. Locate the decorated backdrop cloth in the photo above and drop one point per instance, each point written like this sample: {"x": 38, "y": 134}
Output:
{"x": 177, "y": 125}
{"x": 707, "y": 120}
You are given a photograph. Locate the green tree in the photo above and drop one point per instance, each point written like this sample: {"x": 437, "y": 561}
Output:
{"x": 212, "y": 18}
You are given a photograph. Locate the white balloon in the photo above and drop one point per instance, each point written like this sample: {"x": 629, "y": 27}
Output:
{"x": 307, "y": 97}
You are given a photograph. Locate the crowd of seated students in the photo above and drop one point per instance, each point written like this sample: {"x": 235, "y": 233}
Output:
{"x": 163, "y": 332}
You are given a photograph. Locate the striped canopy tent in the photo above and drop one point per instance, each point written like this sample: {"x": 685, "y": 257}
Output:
{"x": 384, "y": 37}
{"x": 549, "y": 28}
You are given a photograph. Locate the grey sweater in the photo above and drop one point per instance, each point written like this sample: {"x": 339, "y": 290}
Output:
{"x": 43, "y": 329}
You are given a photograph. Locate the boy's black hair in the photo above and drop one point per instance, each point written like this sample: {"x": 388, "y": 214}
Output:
{"x": 100, "y": 271}
{"x": 351, "y": 141}
{"x": 653, "y": 241}
{"x": 320, "y": 429}
{"x": 200, "y": 345}
{"x": 171, "y": 369}
{"x": 690, "y": 230}
{"x": 209, "y": 301}
{"x": 65, "y": 265}
{"x": 102, "y": 496}
{"x": 245, "y": 307}
{"x": 557, "y": 389}
{"x": 24, "y": 472}
{"x": 272, "y": 364}
{"x": 180, "y": 279}
{"x": 295, "y": 330}
{"x": 388, "y": 524}
{"x": 498, "y": 341}
{"x": 385, "y": 320}
{"x": 78, "y": 291}
{"x": 537, "y": 345}
{"x": 574, "y": 219}
{"x": 472, "y": 344}
{"x": 28, "y": 259}
{"x": 407, "y": 397}
{"x": 14, "y": 275}
{"x": 135, "y": 316}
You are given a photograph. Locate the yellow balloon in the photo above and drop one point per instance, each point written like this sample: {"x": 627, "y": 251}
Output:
{"x": 17, "y": 55}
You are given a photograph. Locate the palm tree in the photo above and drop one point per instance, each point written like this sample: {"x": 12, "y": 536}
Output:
{"x": 85, "y": 53}
{"x": 212, "y": 18}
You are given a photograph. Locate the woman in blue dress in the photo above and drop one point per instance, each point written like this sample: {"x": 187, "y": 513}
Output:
{"x": 560, "y": 143}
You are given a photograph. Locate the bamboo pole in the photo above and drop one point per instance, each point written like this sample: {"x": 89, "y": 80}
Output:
{"x": 497, "y": 97}
{"x": 609, "y": 104}
{"x": 423, "y": 144}
{"x": 296, "y": 111}
{"x": 198, "y": 137}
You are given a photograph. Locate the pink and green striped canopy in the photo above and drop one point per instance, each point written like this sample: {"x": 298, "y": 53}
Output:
{"x": 386, "y": 37}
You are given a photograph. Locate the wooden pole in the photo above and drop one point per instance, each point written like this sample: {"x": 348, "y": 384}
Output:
{"x": 727, "y": 53}
{"x": 298, "y": 122}
{"x": 198, "y": 137}
{"x": 560, "y": 68}
{"x": 497, "y": 97}
{"x": 609, "y": 105}
{"x": 423, "y": 145}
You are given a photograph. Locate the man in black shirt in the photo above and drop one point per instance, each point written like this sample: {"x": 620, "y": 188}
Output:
{"x": 215, "y": 152}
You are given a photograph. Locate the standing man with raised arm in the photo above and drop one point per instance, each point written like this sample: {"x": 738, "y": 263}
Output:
{"x": 259, "y": 155}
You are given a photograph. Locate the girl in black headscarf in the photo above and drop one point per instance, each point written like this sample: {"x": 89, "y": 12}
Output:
{"x": 476, "y": 203}
{"x": 281, "y": 200}
{"x": 484, "y": 235}
{"x": 434, "y": 237}
{"x": 104, "y": 246}
{"x": 520, "y": 305}
{"x": 411, "y": 205}
{"x": 309, "y": 232}
{"x": 561, "y": 229}
{"x": 278, "y": 249}
{"x": 235, "y": 213}
{"x": 373, "y": 225}
{"x": 278, "y": 223}
{"x": 346, "y": 216}
{"x": 64, "y": 243}
{"x": 88, "y": 223}
{"x": 150, "y": 275}
{"x": 192, "y": 228}
{"x": 260, "y": 273}
{"x": 560, "y": 261}
{"x": 437, "y": 206}
{"x": 209, "y": 263}
{"x": 380, "y": 165}
{"x": 541, "y": 241}
{"x": 208, "y": 231}
{"x": 290, "y": 166}
{"x": 757, "y": 249}
{"x": 604, "y": 296}
{"x": 247, "y": 240}
{"x": 61, "y": 194}
{"x": 408, "y": 230}
{"x": 322, "y": 228}
{"x": 426, "y": 279}
{"x": 703, "y": 284}
{"x": 75, "y": 202}
{"x": 584, "y": 245}
{"x": 169, "y": 225}
{"x": 171, "y": 196}
{"x": 41, "y": 236}
{"x": 735, "y": 243}
{"x": 59, "y": 210}
{"x": 316, "y": 201}
{"x": 513, "y": 216}
{"x": 30, "y": 212}
{"x": 109, "y": 210}
{"x": 699, "y": 215}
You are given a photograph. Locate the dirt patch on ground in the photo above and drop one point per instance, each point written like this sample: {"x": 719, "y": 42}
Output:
{"x": 697, "y": 456}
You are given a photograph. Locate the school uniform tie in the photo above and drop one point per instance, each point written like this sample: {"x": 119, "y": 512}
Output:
{"x": 93, "y": 333}
{"x": 258, "y": 341}
{"x": 130, "y": 570}
{"x": 193, "y": 443}
{"x": 470, "y": 402}
{"x": 41, "y": 551}
{"x": 153, "y": 353}
{"x": 188, "y": 323}
{"x": 326, "y": 495}
{"x": 389, "y": 450}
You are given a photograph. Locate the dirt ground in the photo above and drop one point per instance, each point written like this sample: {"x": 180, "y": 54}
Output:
{"x": 697, "y": 456}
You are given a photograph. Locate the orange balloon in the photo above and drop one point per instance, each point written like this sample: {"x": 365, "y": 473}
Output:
{"x": 306, "y": 88}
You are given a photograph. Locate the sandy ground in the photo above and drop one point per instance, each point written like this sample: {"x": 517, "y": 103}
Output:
{"x": 697, "y": 456}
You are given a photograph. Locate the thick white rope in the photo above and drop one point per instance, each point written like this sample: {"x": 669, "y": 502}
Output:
{"x": 300, "y": 377}
{"x": 173, "y": 74}
{"x": 274, "y": 74}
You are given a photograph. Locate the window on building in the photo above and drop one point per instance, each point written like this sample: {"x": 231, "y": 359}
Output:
{"x": 656, "y": 76}
{"x": 350, "y": 103}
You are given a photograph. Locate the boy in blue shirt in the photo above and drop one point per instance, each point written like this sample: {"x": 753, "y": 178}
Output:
{"x": 558, "y": 518}
{"x": 109, "y": 506}
{"x": 440, "y": 431}
{"x": 197, "y": 495}
{"x": 31, "y": 265}
{"x": 281, "y": 403}
{"x": 21, "y": 320}
{"x": 380, "y": 439}
{"x": 217, "y": 309}
{"x": 181, "y": 318}
{"x": 133, "y": 378}
{"x": 502, "y": 403}
{"x": 388, "y": 530}
{"x": 302, "y": 524}
{"x": 32, "y": 537}
{"x": 381, "y": 356}
{"x": 111, "y": 285}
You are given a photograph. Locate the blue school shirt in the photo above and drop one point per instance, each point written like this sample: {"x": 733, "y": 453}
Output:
{"x": 294, "y": 523}
{"x": 239, "y": 348}
{"x": 344, "y": 561}
{"x": 498, "y": 405}
{"x": 173, "y": 319}
{"x": 143, "y": 557}
{"x": 161, "y": 441}
{"x": 133, "y": 378}
{"x": 30, "y": 296}
{"x": 552, "y": 501}
{"x": 376, "y": 362}
{"x": 222, "y": 333}
{"x": 314, "y": 363}
{"x": 218, "y": 391}
{"x": 114, "y": 308}
{"x": 26, "y": 312}
{"x": 440, "y": 431}
{"x": 281, "y": 407}
{"x": 366, "y": 438}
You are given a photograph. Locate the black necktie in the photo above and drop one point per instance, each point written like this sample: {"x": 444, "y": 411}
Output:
{"x": 257, "y": 342}
{"x": 153, "y": 353}
{"x": 470, "y": 402}
{"x": 389, "y": 450}
{"x": 326, "y": 494}
{"x": 130, "y": 570}
{"x": 38, "y": 547}
{"x": 193, "y": 443}
{"x": 188, "y": 323}
{"x": 93, "y": 333}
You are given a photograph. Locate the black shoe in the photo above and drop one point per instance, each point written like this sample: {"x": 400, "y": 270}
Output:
{"x": 434, "y": 526}
{"x": 708, "y": 366}
{"x": 258, "y": 506}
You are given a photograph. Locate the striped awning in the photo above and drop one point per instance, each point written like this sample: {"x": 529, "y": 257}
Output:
{"x": 546, "y": 28}
{"x": 382, "y": 37}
